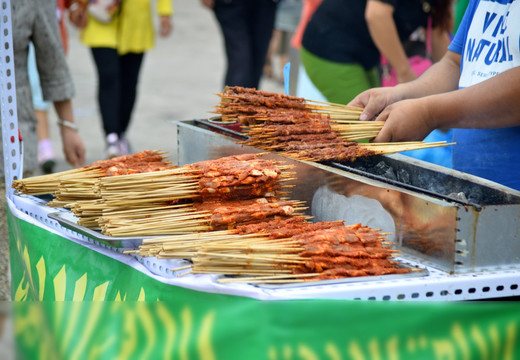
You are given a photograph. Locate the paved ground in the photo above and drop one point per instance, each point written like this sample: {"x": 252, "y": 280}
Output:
{"x": 179, "y": 80}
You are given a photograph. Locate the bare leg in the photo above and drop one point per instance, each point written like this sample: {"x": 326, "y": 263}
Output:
{"x": 46, "y": 157}
{"x": 274, "y": 46}
{"x": 43, "y": 124}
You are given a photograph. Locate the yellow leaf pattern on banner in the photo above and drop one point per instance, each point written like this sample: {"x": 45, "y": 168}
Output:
{"x": 100, "y": 292}
{"x": 206, "y": 351}
{"x": 170, "y": 328}
{"x": 93, "y": 321}
{"x": 460, "y": 339}
{"x": 287, "y": 352}
{"x": 18, "y": 245}
{"x": 80, "y": 288}
{"x": 60, "y": 284}
{"x": 71, "y": 326}
{"x": 480, "y": 341}
{"x": 375, "y": 349}
{"x": 355, "y": 351}
{"x": 96, "y": 351}
{"x": 392, "y": 348}
{"x": 42, "y": 274}
{"x": 27, "y": 262}
{"x": 21, "y": 290}
{"x": 510, "y": 343}
{"x": 495, "y": 342}
{"x": 444, "y": 349}
{"x": 142, "y": 296}
{"x": 128, "y": 336}
{"x": 306, "y": 353}
{"x": 332, "y": 351}
{"x": 187, "y": 324}
{"x": 272, "y": 354}
{"x": 150, "y": 330}
{"x": 29, "y": 328}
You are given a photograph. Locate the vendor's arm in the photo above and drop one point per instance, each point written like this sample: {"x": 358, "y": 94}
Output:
{"x": 382, "y": 28}
{"x": 73, "y": 147}
{"x": 441, "y": 77}
{"x": 490, "y": 104}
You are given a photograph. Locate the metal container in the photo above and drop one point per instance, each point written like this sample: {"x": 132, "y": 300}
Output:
{"x": 450, "y": 220}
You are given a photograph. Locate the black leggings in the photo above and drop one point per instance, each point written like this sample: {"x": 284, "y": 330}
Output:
{"x": 247, "y": 27}
{"x": 117, "y": 87}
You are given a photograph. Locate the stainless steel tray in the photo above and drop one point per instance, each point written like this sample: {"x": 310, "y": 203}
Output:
{"x": 69, "y": 221}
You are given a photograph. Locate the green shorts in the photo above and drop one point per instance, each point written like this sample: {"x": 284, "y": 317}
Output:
{"x": 338, "y": 82}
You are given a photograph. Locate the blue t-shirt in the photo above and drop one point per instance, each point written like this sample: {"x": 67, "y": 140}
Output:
{"x": 488, "y": 40}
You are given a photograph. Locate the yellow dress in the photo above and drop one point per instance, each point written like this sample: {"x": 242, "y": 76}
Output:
{"x": 131, "y": 31}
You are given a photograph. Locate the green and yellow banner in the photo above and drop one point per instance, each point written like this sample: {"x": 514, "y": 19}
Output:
{"x": 73, "y": 303}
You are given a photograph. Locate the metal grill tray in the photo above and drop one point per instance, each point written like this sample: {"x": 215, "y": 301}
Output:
{"x": 69, "y": 221}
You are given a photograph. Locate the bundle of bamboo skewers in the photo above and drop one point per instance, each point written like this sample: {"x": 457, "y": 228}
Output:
{"x": 203, "y": 196}
{"x": 306, "y": 129}
{"x": 250, "y": 106}
{"x": 77, "y": 183}
{"x": 283, "y": 251}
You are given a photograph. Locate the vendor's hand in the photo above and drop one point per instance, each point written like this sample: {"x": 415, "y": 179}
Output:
{"x": 373, "y": 101}
{"x": 73, "y": 147}
{"x": 165, "y": 26}
{"x": 407, "y": 120}
{"x": 208, "y": 3}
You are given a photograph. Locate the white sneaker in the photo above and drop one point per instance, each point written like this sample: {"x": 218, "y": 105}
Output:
{"x": 113, "y": 149}
{"x": 124, "y": 145}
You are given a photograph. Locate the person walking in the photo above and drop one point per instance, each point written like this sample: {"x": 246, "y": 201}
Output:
{"x": 247, "y": 27}
{"x": 118, "y": 40}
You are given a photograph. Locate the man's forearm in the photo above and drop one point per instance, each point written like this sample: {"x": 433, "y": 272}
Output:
{"x": 441, "y": 77}
{"x": 493, "y": 103}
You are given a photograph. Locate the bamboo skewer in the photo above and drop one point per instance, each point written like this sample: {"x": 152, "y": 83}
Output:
{"x": 388, "y": 148}
{"x": 351, "y": 108}
{"x": 271, "y": 278}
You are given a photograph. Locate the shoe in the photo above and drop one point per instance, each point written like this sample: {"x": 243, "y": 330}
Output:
{"x": 48, "y": 166}
{"x": 124, "y": 146}
{"x": 113, "y": 149}
{"x": 46, "y": 158}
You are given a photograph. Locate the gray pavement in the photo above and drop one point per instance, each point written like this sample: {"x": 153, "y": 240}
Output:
{"x": 178, "y": 81}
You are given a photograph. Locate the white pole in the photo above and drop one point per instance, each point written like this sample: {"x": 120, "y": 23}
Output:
{"x": 10, "y": 134}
